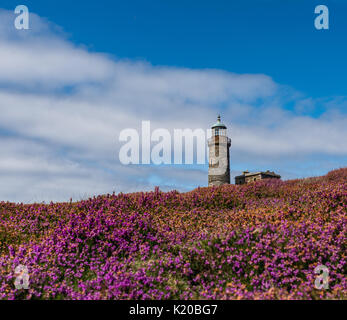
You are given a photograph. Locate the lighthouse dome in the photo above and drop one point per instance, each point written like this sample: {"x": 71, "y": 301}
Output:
{"x": 218, "y": 124}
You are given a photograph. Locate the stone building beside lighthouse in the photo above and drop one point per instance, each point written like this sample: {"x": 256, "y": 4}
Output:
{"x": 219, "y": 156}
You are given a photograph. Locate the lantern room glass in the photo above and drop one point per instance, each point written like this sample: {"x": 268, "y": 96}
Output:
{"x": 219, "y": 132}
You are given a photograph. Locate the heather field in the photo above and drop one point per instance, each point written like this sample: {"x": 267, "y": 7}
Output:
{"x": 258, "y": 241}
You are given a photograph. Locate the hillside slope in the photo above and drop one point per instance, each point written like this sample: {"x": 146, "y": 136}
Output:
{"x": 258, "y": 241}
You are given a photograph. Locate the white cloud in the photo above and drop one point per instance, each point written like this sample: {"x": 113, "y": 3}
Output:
{"x": 62, "y": 108}
{"x": 46, "y": 65}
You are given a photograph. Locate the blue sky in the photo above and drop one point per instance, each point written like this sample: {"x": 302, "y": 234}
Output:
{"x": 273, "y": 37}
{"x": 87, "y": 69}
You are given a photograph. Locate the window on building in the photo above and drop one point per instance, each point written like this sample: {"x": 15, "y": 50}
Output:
{"x": 216, "y": 151}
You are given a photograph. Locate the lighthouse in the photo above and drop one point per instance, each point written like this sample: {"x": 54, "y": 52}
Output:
{"x": 219, "y": 156}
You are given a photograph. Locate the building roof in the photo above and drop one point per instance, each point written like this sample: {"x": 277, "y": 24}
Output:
{"x": 218, "y": 124}
{"x": 268, "y": 173}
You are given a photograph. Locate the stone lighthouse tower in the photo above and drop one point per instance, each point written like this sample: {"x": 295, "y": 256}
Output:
{"x": 219, "y": 158}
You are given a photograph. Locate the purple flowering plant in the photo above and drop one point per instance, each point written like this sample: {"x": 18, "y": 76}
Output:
{"x": 257, "y": 241}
